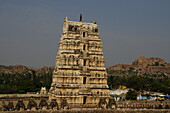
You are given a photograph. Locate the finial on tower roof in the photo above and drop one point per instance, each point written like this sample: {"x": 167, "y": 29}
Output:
{"x": 94, "y": 22}
{"x": 65, "y": 19}
{"x": 80, "y": 17}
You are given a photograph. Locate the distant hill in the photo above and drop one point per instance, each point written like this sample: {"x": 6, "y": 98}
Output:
{"x": 149, "y": 74}
{"x": 153, "y": 67}
{"x": 22, "y": 79}
{"x": 155, "y": 76}
{"x": 142, "y": 66}
{"x": 20, "y": 69}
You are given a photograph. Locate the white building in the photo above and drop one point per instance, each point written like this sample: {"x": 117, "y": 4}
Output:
{"x": 119, "y": 94}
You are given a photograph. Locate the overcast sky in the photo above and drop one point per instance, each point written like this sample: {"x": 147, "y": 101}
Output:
{"x": 30, "y": 29}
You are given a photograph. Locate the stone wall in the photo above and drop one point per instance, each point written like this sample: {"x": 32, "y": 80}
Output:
{"x": 94, "y": 111}
{"x": 13, "y": 99}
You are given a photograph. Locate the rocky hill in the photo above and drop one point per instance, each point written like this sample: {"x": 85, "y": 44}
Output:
{"x": 14, "y": 69}
{"x": 144, "y": 66}
{"x": 20, "y": 69}
{"x": 22, "y": 79}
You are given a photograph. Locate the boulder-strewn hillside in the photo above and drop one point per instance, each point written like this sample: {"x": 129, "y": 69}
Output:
{"x": 22, "y": 79}
{"x": 152, "y": 66}
{"x": 150, "y": 74}
{"x": 155, "y": 76}
{"x": 14, "y": 69}
{"x": 20, "y": 69}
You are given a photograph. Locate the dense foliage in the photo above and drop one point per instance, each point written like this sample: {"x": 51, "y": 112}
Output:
{"x": 23, "y": 83}
{"x": 141, "y": 83}
{"x": 131, "y": 95}
{"x": 30, "y": 80}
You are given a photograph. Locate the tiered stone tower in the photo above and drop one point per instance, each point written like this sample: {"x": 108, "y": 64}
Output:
{"x": 80, "y": 75}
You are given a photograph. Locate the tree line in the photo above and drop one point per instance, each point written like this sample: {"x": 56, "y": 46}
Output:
{"x": 23, "y": 83}
{"x": 33, "y": 81}
{"x": 155, "y": 84}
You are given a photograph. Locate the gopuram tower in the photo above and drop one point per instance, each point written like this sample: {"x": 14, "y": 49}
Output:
{"x": 80, "y": 76}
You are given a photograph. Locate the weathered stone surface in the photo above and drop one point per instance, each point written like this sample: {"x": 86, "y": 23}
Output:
{"x": 32, "y": 105}
{"x": 80, "y": 75}
{"x": 92, "y": 111}
{"x": 20, "y": 105}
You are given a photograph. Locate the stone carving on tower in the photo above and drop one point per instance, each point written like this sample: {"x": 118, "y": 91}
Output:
{"x": 80, "y": 75}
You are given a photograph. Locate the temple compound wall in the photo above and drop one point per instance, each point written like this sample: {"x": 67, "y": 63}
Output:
{"x": 80, "y": 75}
{"x": 12, "y": 102}
{"x": 96, "y": 111}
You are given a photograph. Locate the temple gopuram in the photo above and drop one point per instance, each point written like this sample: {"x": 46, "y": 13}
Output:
{"x": 79, "y": 82}
{"x": 80, "y": 76}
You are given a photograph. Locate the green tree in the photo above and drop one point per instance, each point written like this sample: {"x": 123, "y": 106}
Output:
{"x": 131, "y": 95}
